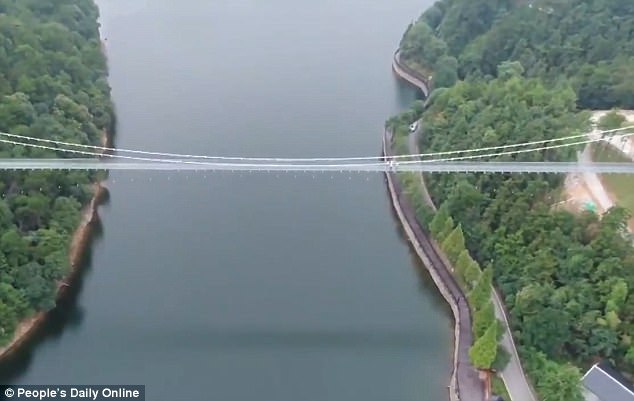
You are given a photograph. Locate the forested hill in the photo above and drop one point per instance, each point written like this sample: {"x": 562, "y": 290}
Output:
{"x": 590, "y": 42}
{"x": 514, "y": 71}
{"x": 52, "y": 85}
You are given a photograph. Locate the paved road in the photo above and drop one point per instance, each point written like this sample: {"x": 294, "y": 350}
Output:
{"x": 410, "y": 75}
{"x": 441, "y": 167}
{"x": 513, "y": 374}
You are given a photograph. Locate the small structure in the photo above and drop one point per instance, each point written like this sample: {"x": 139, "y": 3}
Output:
{"x": 590, "y": 206}
{"x": 602, "y": 383}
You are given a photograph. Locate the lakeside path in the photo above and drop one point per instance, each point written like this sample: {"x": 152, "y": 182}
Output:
{"x": 513, "y": 375}
{"x": 409, "y": 75}
{"x": 464, "y": 384}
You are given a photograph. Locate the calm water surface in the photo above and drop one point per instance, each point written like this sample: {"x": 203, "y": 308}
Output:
{"x": 251, "y": 287}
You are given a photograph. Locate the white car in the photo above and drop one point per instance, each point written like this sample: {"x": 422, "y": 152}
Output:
{"x": 413, "y": 126}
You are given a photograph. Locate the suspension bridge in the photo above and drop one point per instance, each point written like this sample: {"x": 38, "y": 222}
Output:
{"x": 439, "y": 167}
{"x": 465, "y": 160}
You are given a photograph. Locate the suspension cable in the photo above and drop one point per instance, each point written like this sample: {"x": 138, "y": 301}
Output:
{"x": 277, "y": 159}
{"x": 308, "y": 165}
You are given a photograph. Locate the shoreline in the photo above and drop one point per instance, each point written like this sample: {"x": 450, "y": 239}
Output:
{"x": 80, "y": 241}
{"x": 411, "y": 237}
{"x": 464, "y": 383}
{"x": 406, "y": 74}
{"x": 463, "y": 373}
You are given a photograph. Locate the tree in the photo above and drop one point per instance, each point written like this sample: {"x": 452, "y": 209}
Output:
{"x": 561, "y": 382}
{"x": 437, "y": 224}
{"x": 462, "y": 264}
{"x": 16, "y": 109}
{"x": 483, "y": 319}
{"x": 472, "y": 274}
{"x": 8, "y": 322}
{"x": 13, "y": 299}
{"x": 629, "y": 356}
{"x": 445, "y": 72}
{"x": 447, "y": 229}
{"x": 618, "y": 295}
{"x": 611, "y": 120}
{"x": 453, "y": 245}
{"x": 484, "y": 350}
{"x": 424, "y": 213}
{"x": 481, "y": 293}
{"x": 6, "y": 216}
{"x": 32, "y": 212}
{"x": 15, "y": 247}
{"x": 49, "y": 241}
{"x": 421, "y": 46}
{"x": 66, "y": 213}
{"x": 510, "y": 69}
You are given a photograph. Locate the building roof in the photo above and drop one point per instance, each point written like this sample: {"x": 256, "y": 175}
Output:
{"x": 607, "y": 384}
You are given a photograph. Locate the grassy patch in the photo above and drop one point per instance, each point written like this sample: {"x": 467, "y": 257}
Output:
{"x": 499, "y": 387}
{"x": 401, "y": 145}
{"x": 620, "y": 185}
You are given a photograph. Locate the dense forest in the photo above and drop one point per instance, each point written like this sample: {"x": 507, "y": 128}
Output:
{"x": 52, "y": 85}
{"x": 513, "y": 71}
{"x": 588, "y": 42}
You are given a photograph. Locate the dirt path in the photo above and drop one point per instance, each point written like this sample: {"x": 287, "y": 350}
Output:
{"x": 588, "y": 187}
